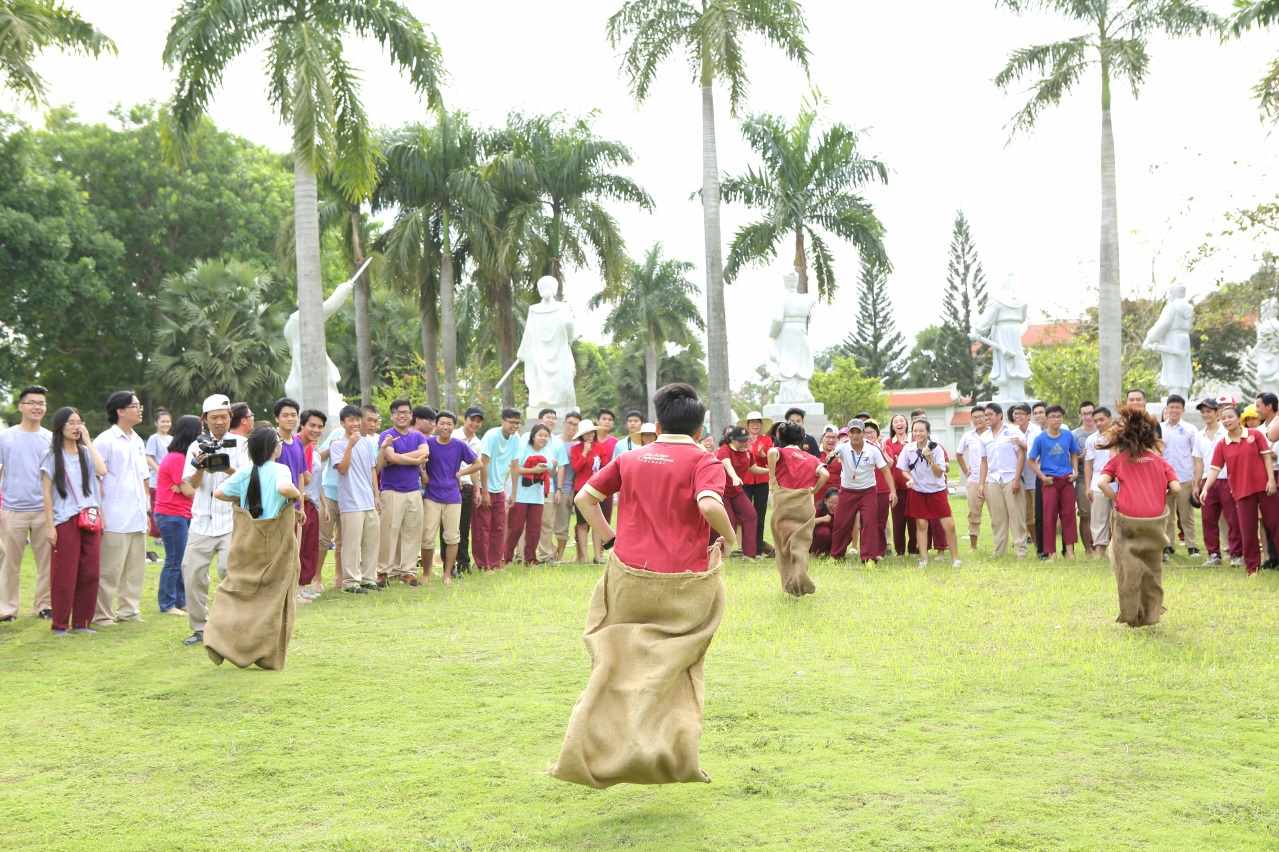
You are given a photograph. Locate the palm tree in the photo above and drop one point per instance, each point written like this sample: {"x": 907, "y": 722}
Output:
{"x": 1260, "y": 13}
{"x": 316, "y": 90}
{"x": 805, "y": 185}
{"x": 434, "y": 171}
{"x": 568, "y": 170}
{"x": 653, "y": 306}
{"x": 1116, "y": 43}
{"x": 28, "y": 28}
{"x": 710, "y": 34}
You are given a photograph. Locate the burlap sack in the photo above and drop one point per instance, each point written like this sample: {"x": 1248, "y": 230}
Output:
{"x": 1136, "y": 555}
{"x": 251, "y": 620}
{"x": 639, "y": 720}
{"x": 792, "y": 521}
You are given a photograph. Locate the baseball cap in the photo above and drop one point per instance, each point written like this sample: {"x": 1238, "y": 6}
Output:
{"x": 1225, "y": 399}
{"x": 865, "y": 415}
{"x": 854, "y": 425}
{"x": 473, "y": 411}
{"x": 738, "y": 433}
{"x": 217, "y": 402}
{"x": 1207, "y": 403}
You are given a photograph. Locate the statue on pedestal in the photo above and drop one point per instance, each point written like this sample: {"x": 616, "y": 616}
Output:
{"x": 1000, "y": 328}
{"x": 1265, "y": 354}
{"x": 293, "y": 384}
{"x": 789, "y": 332}
{"x": 547, "y": 352}
{"x": 1170, "y": 336}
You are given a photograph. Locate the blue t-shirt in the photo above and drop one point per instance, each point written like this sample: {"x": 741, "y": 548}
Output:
{"x": 1053, "y": 454}
{"x": 270, "y": 476}
{"x": 331, "y": 475}
{"x": 501, "y": 452}
{"x": 535, "y": 493}
{"x": 558, "y": 450}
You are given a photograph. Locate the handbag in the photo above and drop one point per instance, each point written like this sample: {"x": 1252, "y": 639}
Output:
{"x": 90, "y": 518}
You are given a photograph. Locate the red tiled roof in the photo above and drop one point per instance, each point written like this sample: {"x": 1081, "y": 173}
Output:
{"x": 1048, "y": 333}
{"x": 963, "y": 417}
{"x": 920, "y": 398}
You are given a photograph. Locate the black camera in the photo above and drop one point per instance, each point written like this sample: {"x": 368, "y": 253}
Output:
{"x": 213, "y": 457}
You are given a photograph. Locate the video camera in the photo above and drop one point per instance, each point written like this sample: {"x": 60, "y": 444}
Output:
{"x": 212, "y": 457}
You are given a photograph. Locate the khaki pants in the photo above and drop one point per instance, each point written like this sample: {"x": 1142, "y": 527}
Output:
{"x": 123, "y": 568}
{"x": 1179, "y": 504}
{"x": 15, "y": 529}
{"x": 359, "y": 548}
{"x": 1007, "y": 517}
{"x": 330, "y": 530}
{"x": 1099, "y": 519}
{"x": 551, "y": 527}
{"x": 1085, "y": 512}
{"x": 400, "y": 533}
{"x": 195, "y": 574}
{"x": 1030, "y": 514}
{"x": 975, "y": 502}
{"x": 437, "y": 515}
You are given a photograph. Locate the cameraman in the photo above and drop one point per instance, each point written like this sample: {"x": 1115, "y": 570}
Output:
{"x": 210, "y": 519}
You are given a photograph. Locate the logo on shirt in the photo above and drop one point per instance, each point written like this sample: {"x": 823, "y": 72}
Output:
{"x": 656, "y": 457}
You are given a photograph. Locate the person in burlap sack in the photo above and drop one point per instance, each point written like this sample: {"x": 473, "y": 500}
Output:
{"x": 251, "y": 621}
{"x": 655, "y": 610}
{"x": 1137, "y": 535}
{"x": 795, "y": 478}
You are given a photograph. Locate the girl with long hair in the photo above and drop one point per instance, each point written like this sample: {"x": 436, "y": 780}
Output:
{"x": 530, "y": 484}
{"x": 72, "y": 505}
{"x": 923, "y": 462}
{"x": 822, "y": 522}
{"x": 157, "y": 446}
{"x": 898, "y": 437}
{"x": 171, "y": 505}
{"x": 1137, "y": 536}
{"x": 587, "y": 456}
{"x": 1250, "y": 459}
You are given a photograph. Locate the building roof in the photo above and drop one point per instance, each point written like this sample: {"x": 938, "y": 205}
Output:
{"x": 963, "y": 417}
{"x": 923, "y": 397}
{"x": 1049, "y": 333}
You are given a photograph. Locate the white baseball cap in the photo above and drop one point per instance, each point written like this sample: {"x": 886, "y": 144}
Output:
{"x": 217, "y": 402}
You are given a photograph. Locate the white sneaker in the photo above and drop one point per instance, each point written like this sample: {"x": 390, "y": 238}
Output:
{"x": 1236, "y": 561}
{"x": 923, "y": 563}
{"x": 956, "y": 564}
{"x": 1213, "y": 559}
{"x": 309, "y": 593}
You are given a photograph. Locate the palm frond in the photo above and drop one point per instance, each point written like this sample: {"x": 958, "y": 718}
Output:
{"x": 1061, "y": 64}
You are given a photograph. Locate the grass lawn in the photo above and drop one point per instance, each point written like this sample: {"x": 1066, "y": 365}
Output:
{"x": 993, "y": 706}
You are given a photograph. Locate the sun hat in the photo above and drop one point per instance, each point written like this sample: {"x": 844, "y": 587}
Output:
{"x": 217, "y": 402}
{"x": 1250, "y": 411}
{"x": 637, "y": 437}
{"x": 765, "y": 423}
{"x": 588, "y": 425}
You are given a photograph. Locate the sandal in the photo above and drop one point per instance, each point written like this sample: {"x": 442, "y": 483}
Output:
{"x": 410, "y": 580}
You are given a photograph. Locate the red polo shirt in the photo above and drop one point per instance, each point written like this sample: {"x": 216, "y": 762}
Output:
{"x": 759, "y": 447}
{"x": 741, "y": 463}
{"x": 796, "y": 469}
{"x": 667, "y": 478}
{"x": 1249, "y": 471}
{"x": 1143, "y": 483}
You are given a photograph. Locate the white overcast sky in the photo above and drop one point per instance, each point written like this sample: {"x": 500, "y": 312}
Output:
{"x": 917, "y": 76}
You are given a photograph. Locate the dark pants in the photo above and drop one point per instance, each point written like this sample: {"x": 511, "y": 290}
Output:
{"x": 881, "y": 502}
{"x": 821, "y": 538}
{"x": 1248, "y": 508}
{"x": 490, "y": 532}
{"x": 173, "y": 531}
{"x": 309, "y": 548}
{"x": 73, "y": 576}
{"x": 1221, "y": 502}
{"x": 741, "y": 512}
{"x": 463, "y": 560}
{"x": 851, "y": 504}
{"x": 1041, "y": 546}
{"x": 525, "y": 519}
{"x": 1058, "y": 502}
{"x": 758, "y": 495}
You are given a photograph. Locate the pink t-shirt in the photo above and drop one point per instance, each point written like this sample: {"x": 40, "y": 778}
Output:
{"x": 168, "y": 501}
{"x": 666, "y": 478}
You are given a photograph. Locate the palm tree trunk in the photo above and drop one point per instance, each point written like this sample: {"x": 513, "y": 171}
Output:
{"x": 1110, "y": 304}
{"x": 801, "y": 258}
{"x": 716, "y": 320}
{"x": 306, "y": 232}
{"x": 363, "y": 296}
{"x": 650, "y": 374}
{"x": 448, "y": 319}
{"x": 506, "y": 337}
{"x": 430, "y": 340}
{"x": 558, "y": 275}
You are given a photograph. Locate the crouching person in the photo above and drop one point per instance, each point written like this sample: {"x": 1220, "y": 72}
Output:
{"x": 655, "y": 610}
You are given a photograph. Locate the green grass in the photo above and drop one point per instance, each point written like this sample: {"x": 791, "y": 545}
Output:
{"x": 994, "y": 706}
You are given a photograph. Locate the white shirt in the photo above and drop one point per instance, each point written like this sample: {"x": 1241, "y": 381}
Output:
{"x": 911, "y": 463}
{"x": 970, "y": 447}
{"x": 210, "y": 516}
{"x": 1001, "y": 454}
{"x": 474, "y": 443}
{"x": 1205, "y": 444}
{"x": 1179, "y": 444}
{"x": 1098, "y": 456}
{"x": 124, "y": 488}
{"x": 1028, "y": 479}
{"x": 859, "y": 466}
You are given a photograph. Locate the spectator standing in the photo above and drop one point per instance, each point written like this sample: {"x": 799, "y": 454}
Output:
{"x": 22, "y": 516}
{"x": 330, "y": 517}
{"x": 403, "y": 452}
{"x": 125, "y": 504}
{"x": 604, "y": 418}
{"x": 1022, "y": 419}
{"x": 1053, "y": 457}
{"x": 1136, "y": 397}
{"x": 310, "y": 556}
{"x": 925, "y": 465}
{"x": 969, "y": 452}
{"x": 1001, "y": 480}
{"x": 756, "y": 485}
{"x": 903, "y": 532}
{"x": 565, "y": 484}
{"x": 557, "y": 456}
{"x": 71, "y": 498}
{"x": 157, "y": 447}
{"x": 472, "y": 486}
{"x": 172, "y": 508}
{"x": 797, "y": 415}
{"x": 500, "y": 447}
{"x": 1096, "y": 454}
{"x": 530, "y": 474}
{"x": 1083, "y": 505}
{"x": 587, "y": 456}
{"x": 450, "y": 461}
{"x": 1252, "y": 481}
{"x": 1178, "y": 450}
{"x": 355, "y": 456}
{"x": 1219, "y": 506}
{"x": 288, "y": 416}
{"x": 870, "y": 431}
{"x": 857, "y": 499}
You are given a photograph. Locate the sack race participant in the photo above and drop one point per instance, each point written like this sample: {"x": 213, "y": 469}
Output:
{"x": 1137, "y": 536}
{"x": 655, "y": 610}
{"x": 251, "y": 621}
{"x": 796, "y": 477}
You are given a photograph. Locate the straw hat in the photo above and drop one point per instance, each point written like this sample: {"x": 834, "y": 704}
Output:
{"x": 646, "y": 429}
{"x": 765, "y": 423}
{"x": 588, "y": 426}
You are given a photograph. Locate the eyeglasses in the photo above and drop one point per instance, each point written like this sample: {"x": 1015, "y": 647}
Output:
{"x": 34, "y": 404}
{"x": 75, "y": 422}
{"x": 512, "y": 422}
{"x": 401, "y": 411}
{"x": 136, "y": 405}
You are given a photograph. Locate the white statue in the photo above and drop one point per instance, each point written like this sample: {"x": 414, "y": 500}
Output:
{"x": 1000, "y": 328}
{"x": 546, "y": 351}
{"x": 293, "y": 385}
{"x": 1265, "y": 354}
{"x": 1170, "y": 336}
{"x": 789, "y": 332}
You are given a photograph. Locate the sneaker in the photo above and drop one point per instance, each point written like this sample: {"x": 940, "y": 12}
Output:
{"x": 1213, "y": 559}
{"x": 923, "y": 563}
{"x": 891, "y": 552}
{"x": 1169, "y": 551}
{"x": 8, "y": 618}
{"x": 1043, "y": 557}
{"x": 152, "y": 556}
{"x": 309, "y": 593}
{"x": 196, "y": 638}
{"x": 46, "y": 614}
{"x": 1165, "y": 557}
{"x": 84, "y": 630}
{"x": 57, "y": 632}
{"x": 380, "y": 584}
{"x": 1193, "y": 551}
{"x": 1236, "y": 561}
{"x": 356, "y": 590}
{"x": 372, "y": 587}
{"x": 409, "y": 580}
{"x": 956, "y": 564}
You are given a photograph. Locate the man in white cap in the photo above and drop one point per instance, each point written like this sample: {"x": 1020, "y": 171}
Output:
{"x": 211, "y": 519}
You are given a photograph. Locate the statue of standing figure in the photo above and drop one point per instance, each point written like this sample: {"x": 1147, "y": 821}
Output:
{"x": 293, "y": 335}
{"x": 1170, "y": 336}
{"x": 1265, "y": 354}
{"x": 1000, "y": 328}
{"x": 789, "y": 332}
{"x": 547, "y": 353}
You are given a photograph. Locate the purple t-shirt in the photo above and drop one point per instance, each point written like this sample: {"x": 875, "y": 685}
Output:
{"x": 442, "y": 468}
{"x": 293, "y": 456}
{"x": 401, "y": 477}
